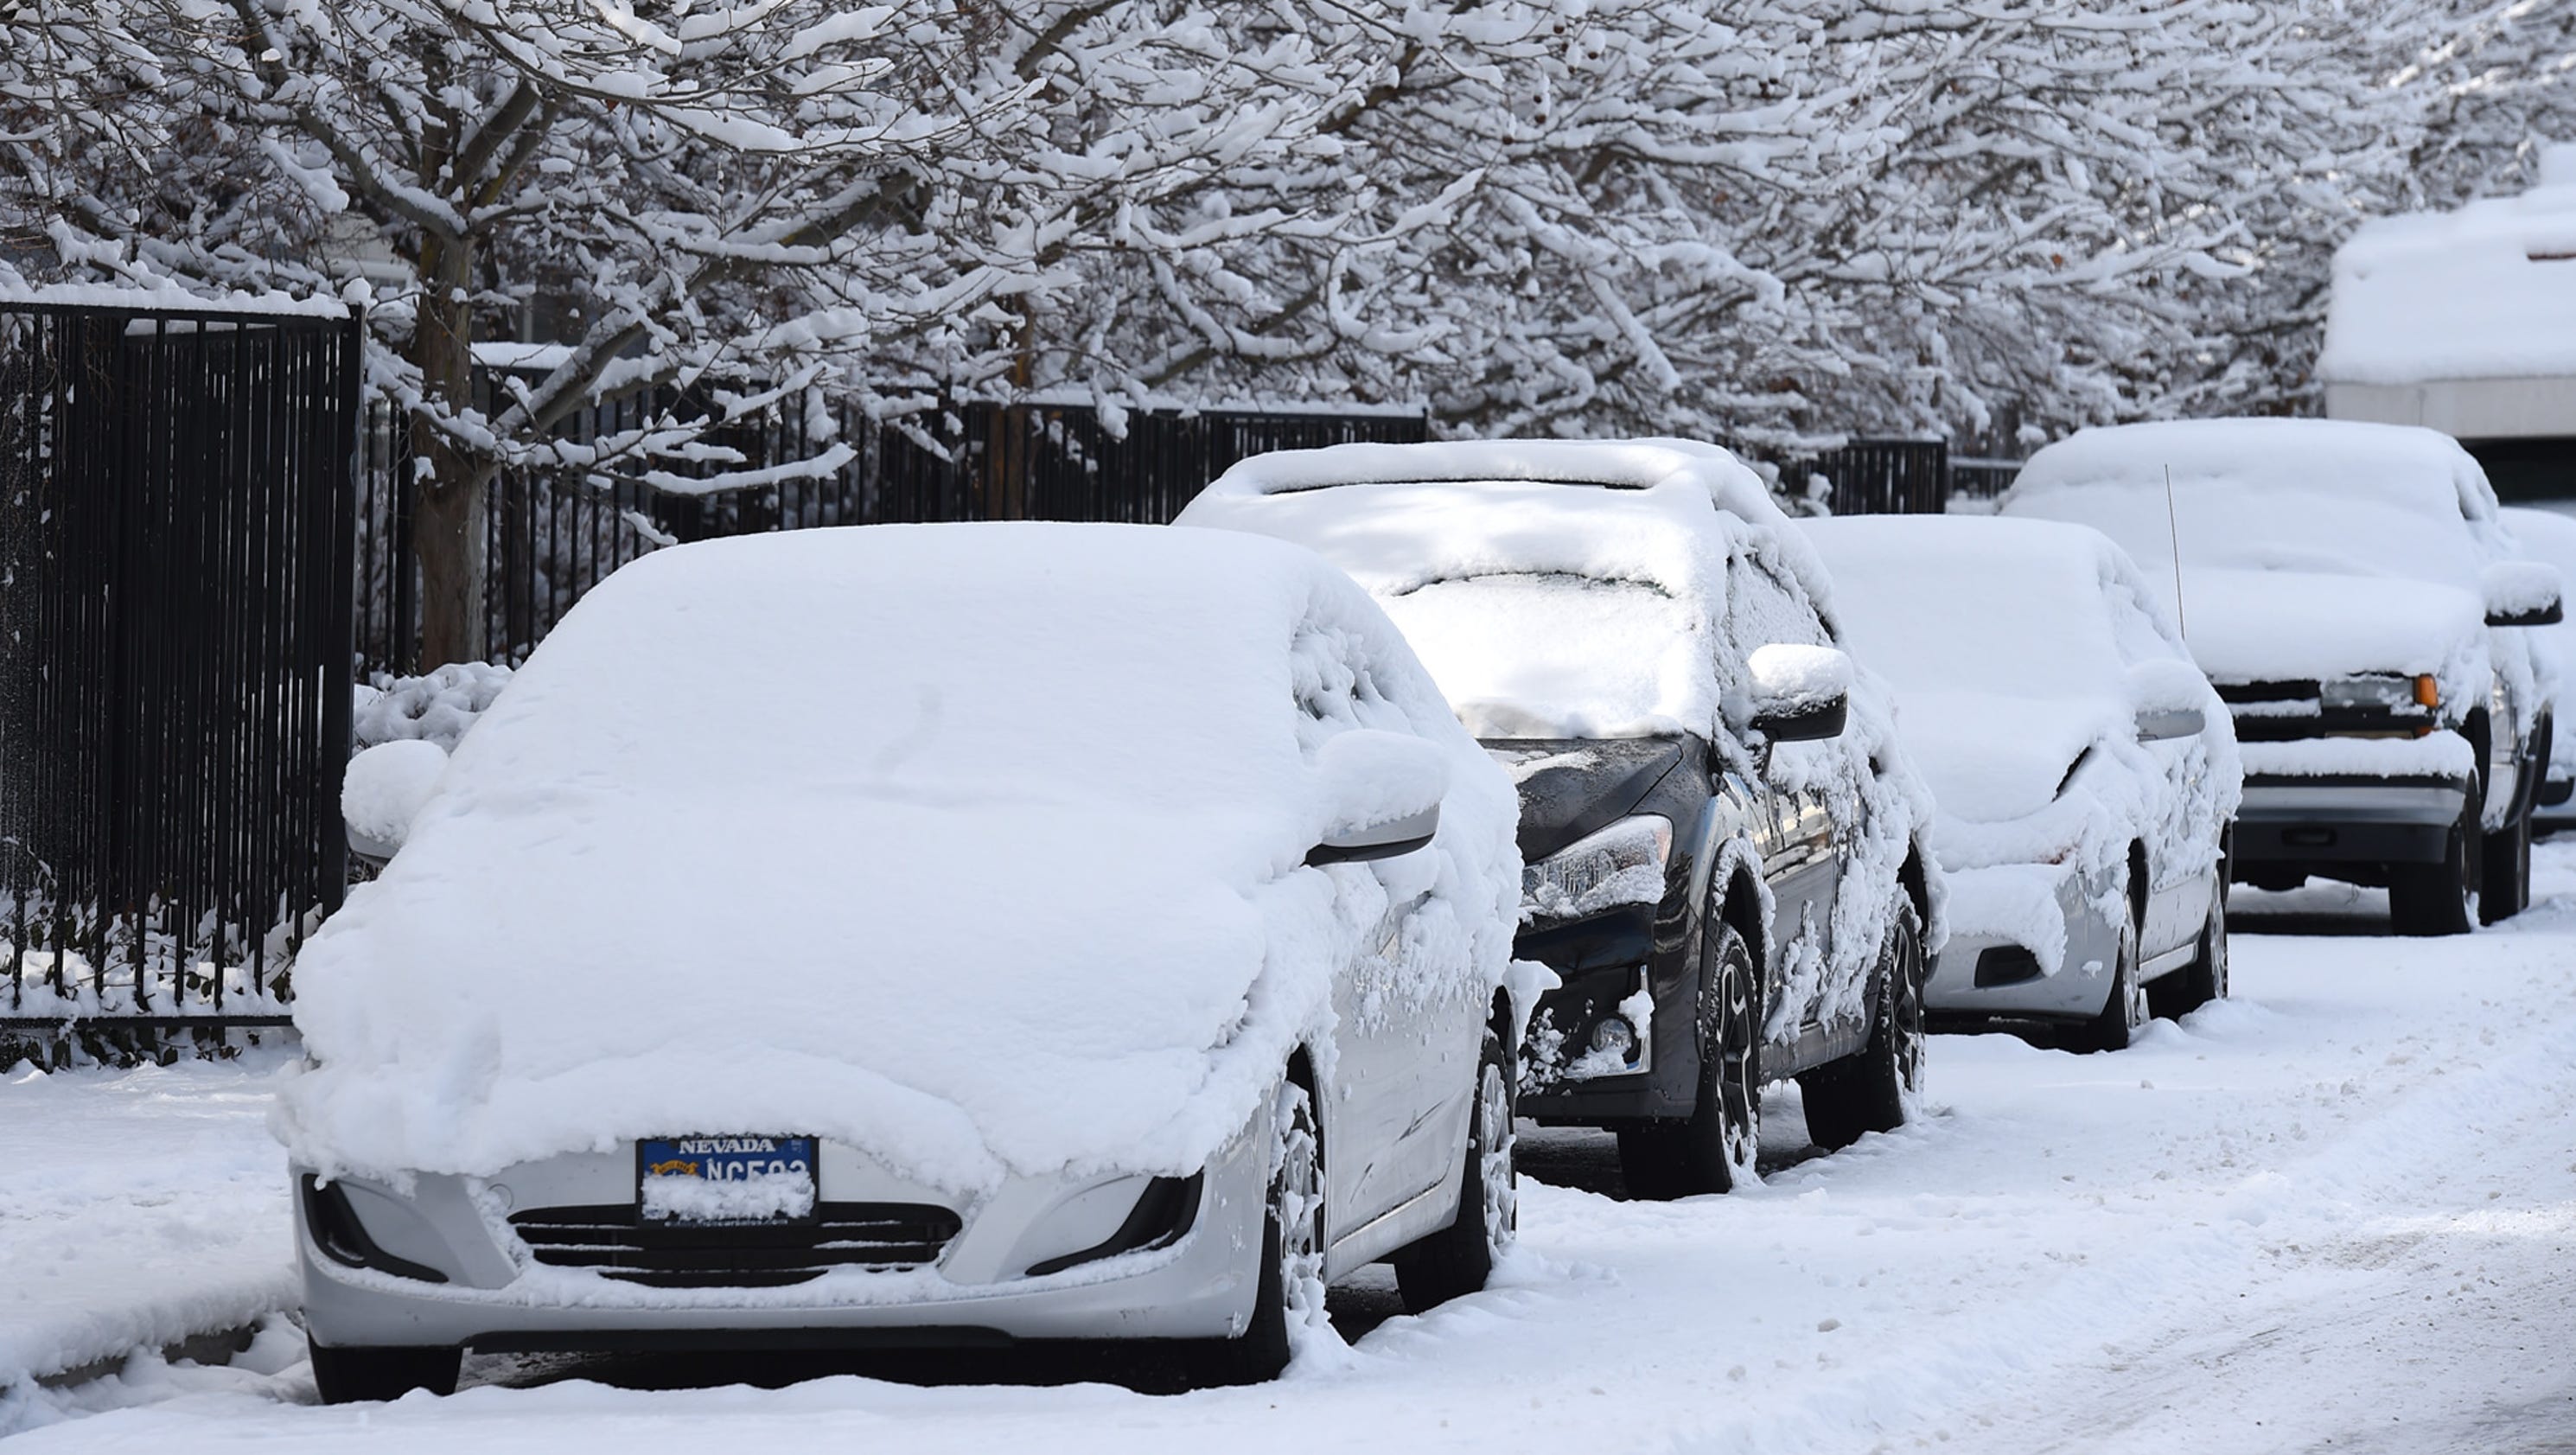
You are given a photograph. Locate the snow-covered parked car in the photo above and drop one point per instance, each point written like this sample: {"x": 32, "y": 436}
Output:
{"x": 2351, "y": 592}
{"x": 1720, "y": 833}
{"x": 2548, "y": 535}
{"x": 2085, "y": 771}
{"x": 940, "y": 933}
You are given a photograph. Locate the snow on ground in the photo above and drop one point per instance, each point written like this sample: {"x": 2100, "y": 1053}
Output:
{"x": 2338, "y": 1212}
{"x": 136, "y": 1208}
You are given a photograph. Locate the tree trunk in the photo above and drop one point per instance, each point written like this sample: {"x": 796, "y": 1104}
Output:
{"x": 450, "y": 485}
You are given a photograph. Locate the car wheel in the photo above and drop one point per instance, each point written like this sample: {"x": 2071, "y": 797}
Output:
{"x": 1712, "y": 1150}
{"x": 2440, "y": 898}
{"x": 2505, "y": 887}
{"x": 1291, "y": 1269}
{"x": 1870, "y": 1090}
{"x": 2125, "y": 1011}
{"x": 1458, "y": 1259}
{"x": 347, "y": 1376}
{"x": 2205, "y": 978}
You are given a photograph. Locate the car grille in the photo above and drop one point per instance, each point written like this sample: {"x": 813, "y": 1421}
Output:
{"x": 610, "y": 1241}
{"x": 2233, "y": 693}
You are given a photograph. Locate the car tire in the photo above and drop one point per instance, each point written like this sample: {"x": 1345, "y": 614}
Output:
{"x": 352, "y": 1375}
{"x": 2205, "y": 978}
{"x": 1873, "y": 1089}
{"x": 2440, "y": 898}
{"x": 1291, "y": 1267}
{"x": 2125, "y": 1011}
{"x": 1457, "y": 1260}
{"x": 1711, "y": 1150}
{"x": 2504, "y": 888}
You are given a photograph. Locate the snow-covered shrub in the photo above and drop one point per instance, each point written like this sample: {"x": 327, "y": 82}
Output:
{"x": 436, "y": 707}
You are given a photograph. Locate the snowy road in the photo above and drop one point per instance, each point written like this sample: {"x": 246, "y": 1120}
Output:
{"x": 2337, "y": 1213}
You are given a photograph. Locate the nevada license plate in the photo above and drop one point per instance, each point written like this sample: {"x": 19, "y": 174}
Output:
{"x": 724, "y": 1181}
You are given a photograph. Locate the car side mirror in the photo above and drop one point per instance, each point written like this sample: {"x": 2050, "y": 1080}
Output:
{"x": 2168, "y": 696}
{"x": 2161, "y": 724}
{"x": 1381, "y": 794}
{"x": 2523, "y": 593}
{"x": 1800, "y": 694}
{"x": 384, "y": 789}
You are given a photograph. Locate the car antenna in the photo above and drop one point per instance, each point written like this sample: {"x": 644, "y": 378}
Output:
{"x": 2173, "y": 533}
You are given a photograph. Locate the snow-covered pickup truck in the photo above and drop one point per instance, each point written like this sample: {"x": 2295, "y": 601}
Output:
{"x": 2351, "y": 592}
{"x": 1720, "y": 830}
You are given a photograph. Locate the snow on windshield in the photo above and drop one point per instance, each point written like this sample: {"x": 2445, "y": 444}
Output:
{"x": 1555, "y": 656}
{"x": 2011, "y": 606}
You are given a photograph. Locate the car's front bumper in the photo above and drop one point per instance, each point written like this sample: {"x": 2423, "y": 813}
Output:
{"x": 2326, "y": 824}
{"x": 1633, "y": 962}
{"x": 497, "y": 1296}
{"x": 1997, "y": 917}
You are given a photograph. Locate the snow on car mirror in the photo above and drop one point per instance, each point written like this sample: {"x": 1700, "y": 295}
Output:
{"x": 2523, "y": 593}
{"x": 1381, "y": 795}
{"x": 2170, "y": 699}
{"x": 384, "y": 790}
{"x": 1800, "y": 694}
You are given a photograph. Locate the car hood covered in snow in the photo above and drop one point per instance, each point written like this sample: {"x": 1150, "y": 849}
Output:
{"x": 978, "y": 847}
{"x": 1992, "y": 758}
{"x": 2270, "y": 626}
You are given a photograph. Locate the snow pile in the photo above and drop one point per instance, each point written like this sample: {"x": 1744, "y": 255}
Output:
{"x": 386, "y": 786}
{"x": 436, "y": 707}
{"x": 757, "y": 1197}
{"x": 1563, "y": 589}
{"x": 2021, "y": 652}
{"x": 2484, "y": 292}
{"x": 1789, "y": 677}
{"x": 981, "y": 847}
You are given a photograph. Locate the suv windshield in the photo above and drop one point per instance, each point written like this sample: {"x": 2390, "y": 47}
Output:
{"x": 2250, "y": 522}
{"x": 1558, "y": 656}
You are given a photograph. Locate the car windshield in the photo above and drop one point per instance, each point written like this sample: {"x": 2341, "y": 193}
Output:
{"x": 1930, "y": 624}
{"x": 2264, "y": 523}
{"x": 1542, "y": 655}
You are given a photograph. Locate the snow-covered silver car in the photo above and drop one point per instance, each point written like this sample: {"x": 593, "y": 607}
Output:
{"x": 2351, "y": 592}
{"x": 2086, "y": 772}
{"x": 942, "y": 935}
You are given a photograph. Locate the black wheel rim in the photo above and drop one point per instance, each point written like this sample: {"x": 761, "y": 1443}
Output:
{"x": 1726, "y": 1038}
{"x": 1905, "y": 1005}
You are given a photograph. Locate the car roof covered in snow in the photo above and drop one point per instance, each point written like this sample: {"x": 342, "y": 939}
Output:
{"x": 977, "y": 846}
{"x": 2335, "y": 496}
{"x": 2484, "y": 291}
{"x": 1511, "y": 566}
{"x": 1399, "y": 516}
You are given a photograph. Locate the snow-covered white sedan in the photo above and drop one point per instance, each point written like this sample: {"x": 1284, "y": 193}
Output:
{"x": 2351, "y": 592}
{"x": 940, "y": 934}
{"x": 2085, "y": 770}
{"x": 1722, "y": 836}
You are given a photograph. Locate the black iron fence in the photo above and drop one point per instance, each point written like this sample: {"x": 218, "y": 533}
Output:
{"x": 1973, "y": 478}
{"x": 551, "y": 536}
{"x": 175, "y": 586}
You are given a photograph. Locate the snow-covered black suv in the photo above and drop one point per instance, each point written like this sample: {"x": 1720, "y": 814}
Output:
{"x": 2351, "y": 593}
{"x": 1720, "y": 834}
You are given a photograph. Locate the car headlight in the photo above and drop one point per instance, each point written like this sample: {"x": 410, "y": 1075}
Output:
{"x": 1621, "y": 864}
{"x": 2380, "y": 692}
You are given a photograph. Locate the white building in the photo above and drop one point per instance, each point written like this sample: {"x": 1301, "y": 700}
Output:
{"x": 2465, "y": 321}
